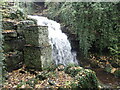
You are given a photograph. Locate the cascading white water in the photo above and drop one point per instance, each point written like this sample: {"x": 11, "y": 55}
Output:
{"x": 61, "y": 47}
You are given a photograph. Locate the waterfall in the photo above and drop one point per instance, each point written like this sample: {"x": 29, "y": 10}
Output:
{"x": 60, "y": 44}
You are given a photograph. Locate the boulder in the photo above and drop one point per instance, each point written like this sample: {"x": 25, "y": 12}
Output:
{"x": 85, "y": 78}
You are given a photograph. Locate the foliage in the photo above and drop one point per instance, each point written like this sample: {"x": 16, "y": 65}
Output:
{"x": 1, "y": 50}
{"x": 95, "y": 23}
{"x": 117, "y": 73}
{"x": 85, "y": 78}
{"x": 73, "y": 70}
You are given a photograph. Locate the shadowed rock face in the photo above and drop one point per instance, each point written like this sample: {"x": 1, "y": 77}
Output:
{"x": 13, "y": 43}
{"x": 13, "y": 60}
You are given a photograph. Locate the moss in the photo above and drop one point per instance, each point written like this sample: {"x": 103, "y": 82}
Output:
{"x": 50, "y": 67}
{"x": 45, "y": 74}
{"x": 13, "y": 60}
{"x": 73, "y": 70}
{"x": 32, "y": 57}
{"x": 86, "y": 78}
{"x": 117, "y": 73}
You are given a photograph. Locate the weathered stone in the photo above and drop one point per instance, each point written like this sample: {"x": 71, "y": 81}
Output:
{"x": 36, "y": 36}
{"x": 46, "y": 56}
{"x": 9, "y": 34}
{"x": 38, "y": 57}
{"x": 8, "y": 24}
{"x": 32, "y": 57}
{"x": 13, "y": 60}
{"x": 13, "y": 44}
{"x": 22, "y": 25}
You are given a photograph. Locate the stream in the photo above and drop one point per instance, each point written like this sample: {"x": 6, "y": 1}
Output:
{"x": 107, "y": 79}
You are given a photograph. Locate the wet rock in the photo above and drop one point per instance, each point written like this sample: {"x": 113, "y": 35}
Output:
{"x": 13, "y": 60}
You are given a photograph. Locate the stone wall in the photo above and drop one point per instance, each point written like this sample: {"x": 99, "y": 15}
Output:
{"x": 25, "y": 43}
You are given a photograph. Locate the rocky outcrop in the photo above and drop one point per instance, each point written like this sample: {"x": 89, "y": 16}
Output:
{"x": 26, "y": 43}
{"x": 12, "y": 45}
{"x": 85, "y": 78}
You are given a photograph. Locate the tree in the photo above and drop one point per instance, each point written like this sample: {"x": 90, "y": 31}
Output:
{"x": 95, "y": 23}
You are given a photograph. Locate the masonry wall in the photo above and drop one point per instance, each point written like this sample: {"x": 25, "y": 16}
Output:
{"x": 26, "y": 43}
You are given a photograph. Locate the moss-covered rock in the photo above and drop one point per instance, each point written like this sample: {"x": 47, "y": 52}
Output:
{"x": 117, "y": 73}
{"x": 73, "y": 70}
{"x": 32, "y": 57}
{"x": 36, "y": 35}
{"x": 85, "y": 78}
{"x": 8, "y": 24}
{"x": 13, "y": 44}
{"x": 21, "y": 26}
{"x": 13, "y": 60}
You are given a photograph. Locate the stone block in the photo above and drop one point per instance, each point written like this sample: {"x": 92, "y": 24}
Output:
{"x": 38, "y": 57}
{"x": 36, "y": 35}
{"x": 32, "y": 57}
{"x": 8, "y": 24}
{"x": 22, "y": 25}
{"x": 13, "y": 60}
{"x": 46, "y": 56}
{"x": 9, "y": 34}
{"x": 13, "y": 44}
